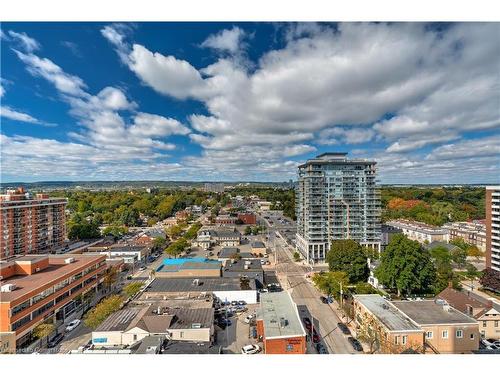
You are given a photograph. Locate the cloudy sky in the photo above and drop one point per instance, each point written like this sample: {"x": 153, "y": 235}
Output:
{"x": 248, "y": 101}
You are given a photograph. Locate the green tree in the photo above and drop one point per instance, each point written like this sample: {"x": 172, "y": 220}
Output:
{"x": 132, "y": 288}
{"x": 43, "y": 330}
{"x": 110, "y": 277}
{"x": 174, "y": 231}
{"x": 364, "y": 288}
{"x": 159, "y": 243}
{"x": 177, "y": 247}
{"x": 405, "y": 266}
{"x": 459, "y": 256}
{"x": 103, "y": 309}
{"x": 296, "y": 256}
{"x": 444, "y": 272}
{"x": 350, "y": 257}
{"x": 248, "y": 231}
{"x": 331, "y": 283}
{"x": 116, "y": 231}
{"x": 82, "y": 231}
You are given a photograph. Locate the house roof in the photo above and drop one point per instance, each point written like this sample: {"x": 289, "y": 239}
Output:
{"x": 120, "y": 320}
{"x": 460, "y": 300}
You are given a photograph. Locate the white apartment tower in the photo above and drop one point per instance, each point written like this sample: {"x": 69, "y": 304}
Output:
{"x": 336, "y": 198}
{"x": 493, "y": 227}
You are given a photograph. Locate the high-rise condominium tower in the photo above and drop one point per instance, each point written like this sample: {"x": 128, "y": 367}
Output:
{"x": 30, "y": 225}
{"x": 336, "y": 199}
{"x": 493, "y": 227}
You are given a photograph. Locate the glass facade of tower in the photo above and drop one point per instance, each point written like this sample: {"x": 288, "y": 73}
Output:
{"x": 336, "y": 198}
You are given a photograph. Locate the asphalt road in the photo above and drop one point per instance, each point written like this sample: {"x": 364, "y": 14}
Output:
{"x": 307, "y": 297}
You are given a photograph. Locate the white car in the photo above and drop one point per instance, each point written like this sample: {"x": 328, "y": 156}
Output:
{"x": 250, "y": 349}
{"x": 72, "y": 325}
{"x": 248, "y": 319}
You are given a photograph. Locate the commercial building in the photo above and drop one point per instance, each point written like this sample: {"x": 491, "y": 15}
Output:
{"x": 132, "y": 324}
{"x": 390, "y": 330}
{"x": 279, "y": 325}
{"x": 30, "y": 225}
{"x": 251, "y": 269}
{"x": 225, "y": 220}
{"x": 40, "y": 288}
{"x": 493, "y": 227}
{"x": 425, "y": 326}
{"x": 336, "y": 199}
{"x": 486, "y": 312}
{"x": 447, "y": 330}
{"x": 264, "y": 205}
{"x": 229, "y": 253}
{"x": 189, "y": 267}
{"x": 224, "y": 237}
{"x": 472, "y": 233}
{"x": 230, "y": 289}
{"x": 421, "y": 232}
{"x": 129, "y": 254}
{"x": 247, "y": 218}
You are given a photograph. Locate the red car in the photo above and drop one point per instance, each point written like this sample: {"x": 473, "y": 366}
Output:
{"x": 307, "y": 323}
{"x": 315, "y": 337}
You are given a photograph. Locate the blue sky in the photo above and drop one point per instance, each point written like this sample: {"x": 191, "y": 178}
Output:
{"x": 248, "y": 101}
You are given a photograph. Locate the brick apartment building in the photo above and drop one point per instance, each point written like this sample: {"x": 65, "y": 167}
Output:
{"x": 44, "y": 288}
{"x": 30, "y": 225}
{"x": 247, "y": 218}
{"x": 279, "y": 325}
{"x": 425, "y": 326}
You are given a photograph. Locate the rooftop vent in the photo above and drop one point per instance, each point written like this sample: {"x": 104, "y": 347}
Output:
{"x": 446, "y": 307}
{"x": 69, "y": 260}
{"x": 385, "y": 307}
{"x": 8, "y": 287}
{"x": 196, "y": 325}
{"x": 283, "y": 322}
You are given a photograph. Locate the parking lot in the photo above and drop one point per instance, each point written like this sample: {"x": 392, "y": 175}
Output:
{"x": 238, "y": 334}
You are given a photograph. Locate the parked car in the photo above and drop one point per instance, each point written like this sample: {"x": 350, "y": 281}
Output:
{"x": 315, "y": 336}
{"x": 250, "y": 349}
{"x": 355, "y": 344}
{"x": 248, "y": 319}
{"x": 488, "y": 342}
{"x": 55, "y": 340}
{"x": 264, "y": 290}
{"x": 307, "y": 323}
{"x": 321, "y": 349}
{"x": 72, "y": 325}
{"x": 323, "y": 299}
{"x": 142, "y": 268}
{"x": 240, "y": 309}
{"x": 493, "y": 347}
{"x": 129, "y": 277}
{"x": 254, "y": 332}
{"x": 345, "y": 330}
{"x": 234, "y": 303}
{"x": 242, "y": 303}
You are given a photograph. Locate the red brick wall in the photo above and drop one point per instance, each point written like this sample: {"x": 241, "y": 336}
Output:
{"x": 248, "y": 218}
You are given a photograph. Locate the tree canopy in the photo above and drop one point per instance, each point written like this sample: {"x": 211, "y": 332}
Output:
{"x": 348, "y": 256}
{"x": 405, "y": 266}
{"x": 103, "y": 309}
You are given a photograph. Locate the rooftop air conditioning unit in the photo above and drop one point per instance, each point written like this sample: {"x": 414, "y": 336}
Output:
{"x": 69, "y": 260}
{"x": 446, "y": 307}
{"x": 8, "y": 287}
{"x": 283, "y": 322}
{"x": 196, "y": 282}
{"x": 246, "y": 266}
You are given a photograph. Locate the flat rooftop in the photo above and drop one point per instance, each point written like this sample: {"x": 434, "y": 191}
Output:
{"x": 386, "y": 313}
{"x": 239, "y": 266}
{"x": 168, "y": 285}
{"x": 279, "y": 315}
{"x": 431, "y": 312}
{"x": 56, "y": 271}
{"x": 182, "y": 347}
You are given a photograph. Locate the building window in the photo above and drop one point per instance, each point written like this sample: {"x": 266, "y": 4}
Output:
{"x": 444, "y": 334}
{"x": 459, "y": 334}
{"x": 396, "y": 340}
{"x": 472, "y": 336}
{"x": 405, "y": 339}
{"x": 134, "y": 337}
{"x": 496, "y": 323}
{"x": 482, "y": 334}
{"x": 429, "y": 335}
{"x": 289, "y": 347}
{"x": 484, "y": 323}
